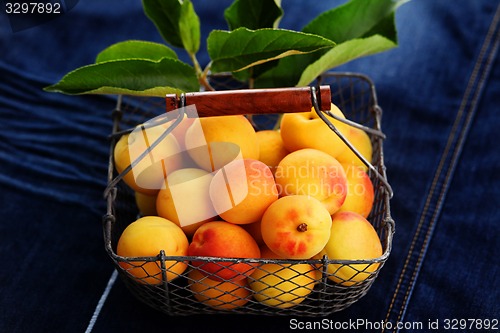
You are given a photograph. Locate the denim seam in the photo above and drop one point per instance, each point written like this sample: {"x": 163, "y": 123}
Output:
{"x": 468, "y": 105}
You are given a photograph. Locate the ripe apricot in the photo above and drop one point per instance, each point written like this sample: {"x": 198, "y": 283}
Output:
{"x": 352, "y": 238}
{"x": 146, "y": 204}
{"x": 360, "y": 192}
{"x": 296, "y": 227}
{"x": 146, "y": 237}
{"x": 314, "y": 173}
{"x": 148, "y": 174}
{"x": 254, "y": 229}
{"x": 271, "y": 147}
{"x": 220, "y": 295}
{"x": 212, "y": 142}
{"x": 242, "y": 190}
{"x": 361, "y": 141}
{"x": 184, "y": 199}
{"x": 306, "y": 130}
{"x": 222, "y": 239}
{"x": 282, "y": 285}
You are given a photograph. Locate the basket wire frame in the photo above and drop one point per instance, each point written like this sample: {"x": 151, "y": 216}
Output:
{"x": 355, "y": 95}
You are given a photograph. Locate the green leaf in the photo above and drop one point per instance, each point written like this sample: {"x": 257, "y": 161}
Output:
{"x": 189, "y": 27}
{"x": 360, "y": 28}
{"x": 130, "y": 76}
{"x": 344, "y": 53}
{"x": 352, "y": 20}
{"x": 165, "y": 15}
{"x": 255, "y": 71}
{"x": 253, "y": 14}
{"x": 244, "y": 48}
{"x": 135, "y": 49}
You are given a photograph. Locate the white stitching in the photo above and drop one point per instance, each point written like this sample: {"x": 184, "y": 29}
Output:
{"x": 101, "y": 302}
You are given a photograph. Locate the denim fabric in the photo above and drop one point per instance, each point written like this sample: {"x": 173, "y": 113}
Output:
{"x": 440, "y": 93}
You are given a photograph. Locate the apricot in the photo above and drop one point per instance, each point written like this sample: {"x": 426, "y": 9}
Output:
{"x": 220, "y": 295}
{"x": 282, "y": 285}
{"x": 352, "y": 238}
{"x": 266, "y": 253}
{"x": 184, "y": 199}
{"x": 254, "y": 229}
{"x": 296, "y": 227}
{"x": 212, "y": 142}
{"x": 314, "y": 173}
{"x": 307, "y": 130}
{"x": 271, "y": 147}
{"x": 242, "y": 190}
{"x": 146, "y": 204}
{"x": 222, "y": 239}
{"x": 146, "y": 237}
{"x": 148, "y": 174}
{"x": 360, "y": 192}
{"x": 361, "y": 141}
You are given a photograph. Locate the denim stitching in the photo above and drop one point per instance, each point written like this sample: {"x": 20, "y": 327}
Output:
{"x": 474, "y": 88}
{"x": 458, "y": 147}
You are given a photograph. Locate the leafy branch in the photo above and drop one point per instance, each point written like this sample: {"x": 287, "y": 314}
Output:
{"x": 254, "y": 49}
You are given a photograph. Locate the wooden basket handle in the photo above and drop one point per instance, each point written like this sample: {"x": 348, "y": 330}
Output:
{"x": 251, "y": 101}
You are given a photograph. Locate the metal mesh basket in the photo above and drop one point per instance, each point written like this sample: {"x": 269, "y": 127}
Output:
{"x": 355, "y": 95}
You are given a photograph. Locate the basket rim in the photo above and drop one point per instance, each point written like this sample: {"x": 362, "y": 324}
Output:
{"x": 324, "y": 260}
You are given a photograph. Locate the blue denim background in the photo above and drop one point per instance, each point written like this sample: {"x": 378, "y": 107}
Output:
{"x": 440, "y": 92}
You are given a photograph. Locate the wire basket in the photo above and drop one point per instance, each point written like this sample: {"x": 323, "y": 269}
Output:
{"x": 355, "y": 95}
